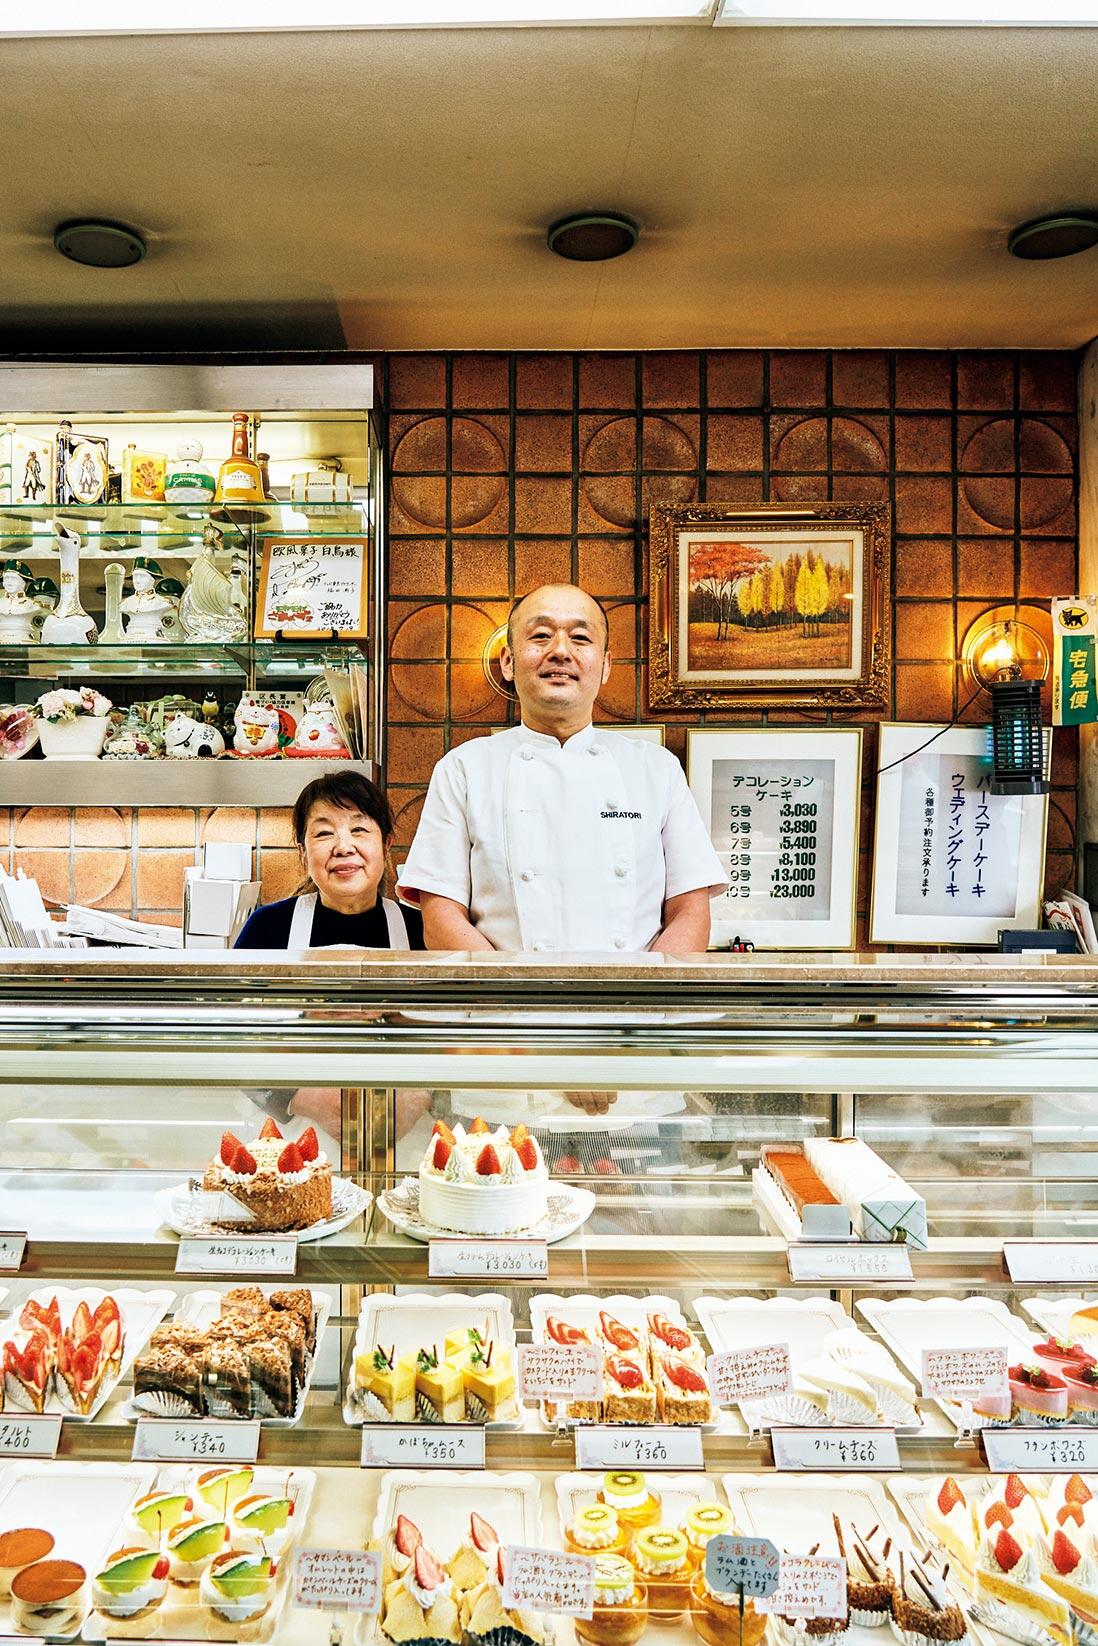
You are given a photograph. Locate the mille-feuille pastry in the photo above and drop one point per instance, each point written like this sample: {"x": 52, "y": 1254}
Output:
{"x": 570, "y": 1336}
{"x": 131, "y": 1584}
{"x": 19, "y": 1548}
{"x": 672, "y": 1337}
{"x": 620, "y": 1613}
{"x": 628, "y": 1394}
{"x": 596, "y": 1530}
{"x": 701, "y": 1523}
{"x": 50, "y": 1598}
{"x": 630, "y": 1496}
{"x": 682, "y": 1392}
{"x": 724, "y": 1617}
{"x": 661, "y": 1556}
{"x": 619, "y": 1339}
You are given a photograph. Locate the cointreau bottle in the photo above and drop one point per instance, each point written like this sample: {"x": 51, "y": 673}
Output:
{"x": 239, "y": 479}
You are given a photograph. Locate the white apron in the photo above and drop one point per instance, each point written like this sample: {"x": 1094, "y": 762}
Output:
{"x": 573, "y": 888}
{"x": 301, "y": 925}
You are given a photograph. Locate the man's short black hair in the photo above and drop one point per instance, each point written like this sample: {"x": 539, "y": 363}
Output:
{"x": 350, "y": 790}
{"x": 591, "y": 597}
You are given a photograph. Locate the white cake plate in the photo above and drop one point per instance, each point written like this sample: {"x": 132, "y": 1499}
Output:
{"x": 569, "y": 1208}
{"x": 182, "y": 1209}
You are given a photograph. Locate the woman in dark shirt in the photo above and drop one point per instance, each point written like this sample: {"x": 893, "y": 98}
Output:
{"x": 342, "y": 824}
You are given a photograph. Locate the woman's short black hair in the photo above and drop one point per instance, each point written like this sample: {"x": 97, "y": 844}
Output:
{"x": 347, "y": 789}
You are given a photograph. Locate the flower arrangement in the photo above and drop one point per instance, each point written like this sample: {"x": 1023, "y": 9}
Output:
{"x": 63, "y": 705}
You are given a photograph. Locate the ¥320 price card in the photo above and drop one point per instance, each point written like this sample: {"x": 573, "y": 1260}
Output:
{"x": 1042, "y": 1451}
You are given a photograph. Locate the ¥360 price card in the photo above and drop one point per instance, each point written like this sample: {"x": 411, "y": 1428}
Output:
{"x": 602, "y": 1446}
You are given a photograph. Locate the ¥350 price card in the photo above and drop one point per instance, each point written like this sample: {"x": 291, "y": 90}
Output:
{"x": 422, "y": 1446}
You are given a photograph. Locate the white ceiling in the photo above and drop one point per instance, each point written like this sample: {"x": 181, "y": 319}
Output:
{"x": 391, "y": 190}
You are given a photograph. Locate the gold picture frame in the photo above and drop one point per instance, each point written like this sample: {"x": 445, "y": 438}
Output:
{"x": 769, "y": 605}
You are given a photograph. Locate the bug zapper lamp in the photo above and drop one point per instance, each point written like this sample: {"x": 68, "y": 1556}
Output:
{"x": 1010, "y": 660}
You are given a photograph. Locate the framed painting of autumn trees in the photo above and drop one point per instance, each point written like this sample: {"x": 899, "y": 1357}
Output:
{"x": 769, "y": 605}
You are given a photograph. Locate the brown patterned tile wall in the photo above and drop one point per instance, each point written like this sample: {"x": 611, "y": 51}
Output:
{"x": 513, "y": 470}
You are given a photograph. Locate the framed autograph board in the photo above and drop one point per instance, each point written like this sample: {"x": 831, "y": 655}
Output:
{"x": 310, "y": 586}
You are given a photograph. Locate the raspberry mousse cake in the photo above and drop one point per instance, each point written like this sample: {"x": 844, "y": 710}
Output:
{"x": 482, "y": 1182}
{"x": 283, "y": 1185}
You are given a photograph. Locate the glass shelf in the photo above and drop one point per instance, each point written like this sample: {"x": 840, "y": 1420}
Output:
{"x": 26, "y": 529}
{"x": 268, "y": 659}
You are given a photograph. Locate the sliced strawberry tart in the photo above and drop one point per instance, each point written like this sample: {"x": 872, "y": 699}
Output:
{"x": 482, "y": 1182}
{"x": 283, "y": 1185}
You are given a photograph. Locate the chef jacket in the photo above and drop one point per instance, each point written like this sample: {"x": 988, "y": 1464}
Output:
{"x": 552, "y": 846}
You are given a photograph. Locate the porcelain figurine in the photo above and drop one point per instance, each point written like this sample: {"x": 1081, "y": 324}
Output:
{"x": 257, "y": 728}
{"x": 134, "y": 739}
{"x": 70, "y": 624}
{"x": 318, "y": 734}
{"x": 45, "y": 594}
{"x": 211, "y": 609}
{"x": 145, "y": 609}
{"x": 17, "y": 612}
{"x": 114, "y": 578}
{"x": 18, "y": 730}
{"x": 186, "y": 480}
{"x": 189, "y": 739}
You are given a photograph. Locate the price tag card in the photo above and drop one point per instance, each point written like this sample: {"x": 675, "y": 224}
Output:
{"x": 750, "y": 1374}
{"x": 27, "y": 1434}
{"x": 559, "y": 1371}
{"x": 1042, "y": 1451}
{"x": 338, "y": 1580}
{"x": 1051, "y": 1262}
{"x": 809, "y": 1586}
{"x": 750, "y": 1564}
{"x": 964, "y": 1374}
{"x": 13, "y": 1247}
{"x": 165, "y": 1440}
{"x": 602, "y": 1446}
{"x": 225, "y": 1255}
{"x": 848, "y": 1264}
{"x": 422, "y": 1446}
{"x": 545, "y": 1580}
{"x": 488, "y": 1260}
{"x": 835, "y": 1449}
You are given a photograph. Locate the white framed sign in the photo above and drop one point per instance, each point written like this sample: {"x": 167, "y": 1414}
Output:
{"x": 781, "y": 806}
{"x": 313, "y": 586}
{"x": 952, "y": 862}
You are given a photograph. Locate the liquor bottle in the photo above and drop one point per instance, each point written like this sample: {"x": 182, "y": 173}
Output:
{"x": 239, "y": 480}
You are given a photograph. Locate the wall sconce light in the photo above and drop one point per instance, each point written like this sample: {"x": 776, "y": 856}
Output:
{"x": 1011, "y": 662}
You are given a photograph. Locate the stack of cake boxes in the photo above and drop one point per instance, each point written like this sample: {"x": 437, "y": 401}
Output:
{"x": 219, "y": 896}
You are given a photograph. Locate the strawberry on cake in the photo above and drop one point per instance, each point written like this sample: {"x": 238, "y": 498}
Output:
{"x": 284, "y": 1185}
{"x": 482, "y": 1182}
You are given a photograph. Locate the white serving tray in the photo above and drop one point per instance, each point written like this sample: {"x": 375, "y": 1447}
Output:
{"x": 81, "y": 1504}
{"x": 142, "y": 1310}
{"x": 416, "y": 1319}
{"x": 182, "y": 1615}
{"x": 1053, "y": 1313}
{"x": 583, "y": 1309}
{"x": 677, "y": 1493}
{"x": 795, "y": 1511}
{"x": 182, "y": 1209}
{"x": 201, "y": 1309}
{"x": 908, "y": 1325}
{"x": 439, "y": 1502}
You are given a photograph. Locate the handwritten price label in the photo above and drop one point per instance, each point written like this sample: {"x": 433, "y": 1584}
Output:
{"x": 208, "y": 1255}
{"x": 750, "y": 1374}
{"x": 1043, "y": 1451}
{"x": 30, "y": 1435}
{"x": 558, "y": 1371}
{"x": 848, "y": 1264}
{"x": 545, "y": 1580}
{"x": 13, "y": 1247}
{"x": 488, "y": 1259}
{"x": 339, "y": 1580}
{"x": 964, "y": 1374}
{"x": 604, "y": 1447}
{"x": 750, "y": 1564}
{"x": 1051, "y": 1262}
{"x": 835, "y": 1449}
{"x": 810, "y": 1586}
{"x": 162, "y": 1440}
{"x": 419, "y": 1446}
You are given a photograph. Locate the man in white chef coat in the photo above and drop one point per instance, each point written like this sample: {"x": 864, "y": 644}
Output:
{"x": 558, "y": 835}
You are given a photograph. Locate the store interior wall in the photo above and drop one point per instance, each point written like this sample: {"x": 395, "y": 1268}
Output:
{"x": 509, "y": 470}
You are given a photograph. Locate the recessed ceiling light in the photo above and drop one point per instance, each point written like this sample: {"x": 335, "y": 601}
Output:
{"x": 26, "y": 17}
{"x": 1047, "y": 237}
{"x": 99, "y": 245}
{"x": 593, "y": 237}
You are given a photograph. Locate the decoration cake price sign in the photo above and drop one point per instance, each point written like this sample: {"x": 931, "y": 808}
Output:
{"x": 168, "y": 1440}
{"x": 750, "y": 1374}
{"x": 852, "y": 1262}
{"x": 338, "y": 1580}
{"x": 809, "y": 1586}
{"x": 27, "y": 1434}
{"x": 560, "y": 1371}
{"x": 1041, "y": 1451}
{"x": 964, "y": 1374}
{"x": 13, "y": 1247}
{"x": 1051, "y": 1262}
{"x": 226, "y": 1255}
{"x": 835, "y": 1449}
{"x": 604, "y": 1446}
{"x": 487, "y": 1260}
{"x": 546, "y": 1580}
{"x": 422, "y": 1446}
{"x": 751, "y": 1565}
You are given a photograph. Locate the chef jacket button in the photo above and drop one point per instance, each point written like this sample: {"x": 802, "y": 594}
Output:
{"x": 528, "y": 874}
{"x": 528, "y": 754}
{"x": 619, "y": 942}
{"x": 620, "y": 870}
{"x": 594, "y": 750}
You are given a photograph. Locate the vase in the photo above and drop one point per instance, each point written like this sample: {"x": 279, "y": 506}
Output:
{"x": 79, "y": 739}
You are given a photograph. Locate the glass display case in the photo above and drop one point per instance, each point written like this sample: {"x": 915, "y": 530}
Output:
{"x": 653, "y": 1096}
